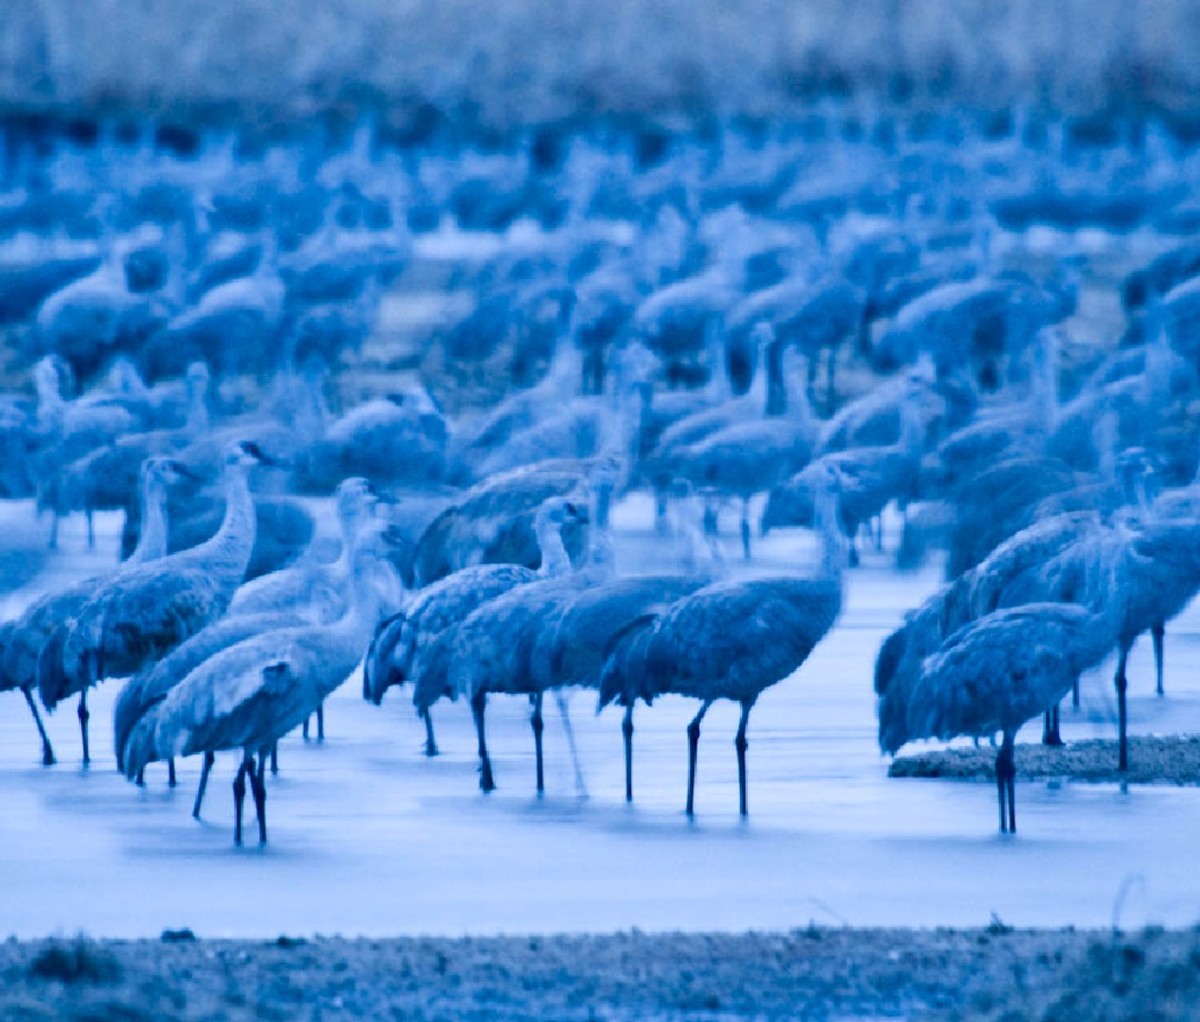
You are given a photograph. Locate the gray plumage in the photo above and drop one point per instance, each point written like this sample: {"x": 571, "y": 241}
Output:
{"x": 993, "y": 675}
{"x": 250, "y": 695}
{"x": 150, "y": 609}
{"x": 491, "y": 650}
{"x": 732, "y": 640}
{"x": 37, "y": 636}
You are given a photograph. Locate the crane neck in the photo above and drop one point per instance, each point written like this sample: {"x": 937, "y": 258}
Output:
{"x": 833, "y": 545}
{"x": 555, "y": 560}
{"x": 227, "y": 554}
{"x": 153, "y": 539}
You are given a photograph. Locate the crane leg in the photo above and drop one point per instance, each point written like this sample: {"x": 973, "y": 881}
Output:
{"x": 1075, "y": 693}
{"x": 91, "y": 529}
{"x": 321, "y": 722}
{"x": 560, "y": 700}
{"x": 1006, "y": 773}
{"x": 47, "y": 751}
{"x": 205, "y": 770}
{"x": 710, "y": 519}
{"x": 741, "y": 744}
{"x": 171, "y": 772}
{"x": 627, "y": 733}
{"x": 258, "y": 786}
{"x": 140, "y": 780}
{"x": 1050, "y": 732}
{"x": 1122, "y": 685}
{"x": 53, "y": 530}
{"x": 304, "y": 727}
{"x": 1156, "y": 634}
{"x": 693, "y": 734}
{"x": 274, "y": 759}
{"x": 83, "y": 725}
{"x": 478, "y": 705}
{"x": 536, "y": 722}
{"x": 746, "y": 528}
{"x": 660, "y": 513}
{"x": 239, "y": 798}
{"x": 431, "y": 748}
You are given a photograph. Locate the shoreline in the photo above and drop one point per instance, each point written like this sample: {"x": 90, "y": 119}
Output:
{"x": 993, "y": 973}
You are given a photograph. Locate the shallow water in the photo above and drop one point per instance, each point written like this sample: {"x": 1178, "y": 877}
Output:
{"x": 369, "y": 837}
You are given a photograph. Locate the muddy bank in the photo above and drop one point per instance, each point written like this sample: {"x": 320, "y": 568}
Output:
{"x": 991, "y": 974}
{"x": 1172, "y": 759}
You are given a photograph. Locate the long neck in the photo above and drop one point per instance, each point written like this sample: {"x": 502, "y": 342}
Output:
{"x": 833, "y": 546}
{"x": 227, "y": 554}
{"x": 152, "y": 542}
{"x": 554, "y": 554}
{"x": 197, "y": 411}
{"x": 50, "y": 399}
{"x": 912, "y": 428}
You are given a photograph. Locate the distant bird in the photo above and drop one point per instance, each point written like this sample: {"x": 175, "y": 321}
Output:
{"x": 993, "y": 675}
{"x": 746, "y": 458}
{"x": 491, "y": 649}
{"x": 871, "y": 478}
{"x": 249, "y": 695}
{"x": 149, "y": 609}
{"x": 40, "y": 631}
{"x": 492, "y": 522}
{"x": 68, "y": 430}
{"x": 732, "y": 640}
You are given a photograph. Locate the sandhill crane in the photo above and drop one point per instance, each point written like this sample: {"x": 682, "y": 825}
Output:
{"x": 871, "y": 478}
{"x": 746, "y": 458}
{"x": 250, "y": 695}
{"x": 45, "y": 622}
{"x": 732, "y": 640}
{"x": 149, "y": 609}
{"x": 993, "y": 675}
{"x": 491, "y": 649}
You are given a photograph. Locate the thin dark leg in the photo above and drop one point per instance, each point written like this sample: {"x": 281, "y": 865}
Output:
{"x": 47, "y": 751}
{"x": 1075, "y": 693}
{"x": 693, "y": 734}
{"x": 83, "y": 725}
{"x": 746, "y": 528}
{"x": 538, "y": 725}
{"x": 1122, "y": 712}
{"x": 239, "y": 797}
{"x": 274, "y": 759}
{"x": 258, "y": 786}
{"x": 1050, "y": 731}
{"x": 91, "y": 530}
{"x": 171, "y": 773}
{"x": 304, "y": 727}
{"x": 141, "y": 778}
{"x": 660, "y": 513}
{"x": 205, "y": 770}
{"x": 852, "y": 553}
{"x": 431, "y": 748}
{"x": 627, "y": 732}
{"x": 1156, "y": 634}
{"x": 741, "y": 744}
{"x": 710, "y": 520}
{"x": 478, "y": 705}
{"x": 321, "y": 722}
{"x": 1006, "y": 772}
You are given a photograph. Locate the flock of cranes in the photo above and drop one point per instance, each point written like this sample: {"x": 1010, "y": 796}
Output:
{"x": 187, "y": 330}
